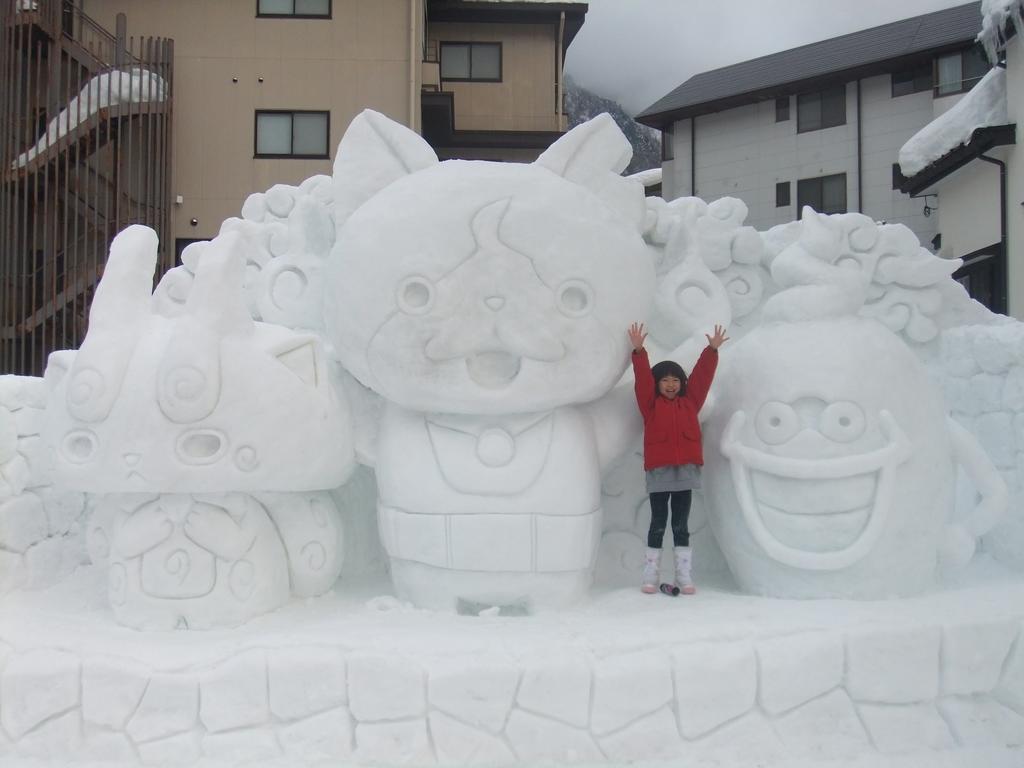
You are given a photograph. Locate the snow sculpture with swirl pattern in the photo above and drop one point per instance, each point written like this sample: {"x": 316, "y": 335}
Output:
{"x": 212, "y": 438}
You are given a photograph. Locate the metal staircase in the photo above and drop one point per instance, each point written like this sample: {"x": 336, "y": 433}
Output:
{"x": 85, "y": 149}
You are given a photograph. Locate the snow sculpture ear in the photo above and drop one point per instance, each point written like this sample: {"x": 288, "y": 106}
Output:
{"x": 217, "y": 299}
{"x": 594, "y": 154}
{"x": 304, "y": 358}
{"x": 58, "y": 364}
{"x": 189, "y": 379}
{"x": 374, "y": 152}
{"x": 120, "y": 311}
{"x": 589, "y": 151}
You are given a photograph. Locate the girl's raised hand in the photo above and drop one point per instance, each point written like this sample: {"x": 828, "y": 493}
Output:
{"x": 637, "y": 334}
{"x": 718, "y": 339}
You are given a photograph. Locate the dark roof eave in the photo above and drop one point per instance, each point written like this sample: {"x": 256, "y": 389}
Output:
{"x": 661, "y": 119}
{"x": 509, "y": 12}
{"x": 982, "y": 140}
{"x": 862, "y": 53}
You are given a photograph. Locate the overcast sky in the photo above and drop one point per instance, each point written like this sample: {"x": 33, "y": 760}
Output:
{"x": 636, "y": 51}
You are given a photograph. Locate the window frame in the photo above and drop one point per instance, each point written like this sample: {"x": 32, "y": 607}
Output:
{"x": 668, "y": 142}
{"x": 290, "y": 156}
{"x": 782, "y": 109}
{"x": 293, "y": 15}
{"x": 783, "y": 189}
{"x": 965, "y": 83}
{"x": 820, "y": 94}
{"x": 801, "y": 200}
{"x": 470, "y": 43}
{"x": 914, "y": 73}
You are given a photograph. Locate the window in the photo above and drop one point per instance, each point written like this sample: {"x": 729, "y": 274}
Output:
{"x": 912, "y": 80}
{"x": 958, "y": 72}
{"x": 471, "y": 61}
{"x": 667, "y": 142}
{"x": 302, "y": 9}
{"x": 782, "y": 194}
{"x": 824, "y": 109}
{"x": 782, "y": 109}
{"x": 825, "y": 194}
{"x": 298, "y": 133}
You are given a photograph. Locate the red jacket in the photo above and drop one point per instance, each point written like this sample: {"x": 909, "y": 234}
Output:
{"x": 671, "y": 429}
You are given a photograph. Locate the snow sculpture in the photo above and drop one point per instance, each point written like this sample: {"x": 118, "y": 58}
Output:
{"x": 283, "y": 237}
{"x": 194, "y": 426}
{"x": 904, "y": 285}
{"x": 41, "y": 526}
{"x": 489, "y": 313}
{"x": 830, "y": 458}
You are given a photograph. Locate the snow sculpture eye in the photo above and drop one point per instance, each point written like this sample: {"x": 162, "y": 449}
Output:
{"x": 692, "y": 297}
{"x": 79, "y": 446}
{"x": 201, "y": 446}
{"x": 776, "y": 422}
{"x": 843, "y": 421}
{"x": 415, "y": 295}
{"x": 575, "y": 298}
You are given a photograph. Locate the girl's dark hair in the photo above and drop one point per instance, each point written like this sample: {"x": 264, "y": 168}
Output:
{"x": 669, "y": 368}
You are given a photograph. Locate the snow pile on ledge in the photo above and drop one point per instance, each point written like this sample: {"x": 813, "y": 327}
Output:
{"x": 648, "y": 178}
{"x": 133, "y": 86}
{"x": 995, "y": 16}
{"x": 983, "y": 106}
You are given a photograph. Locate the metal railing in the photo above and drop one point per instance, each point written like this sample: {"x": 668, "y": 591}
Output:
{"x": 85, "y": 150}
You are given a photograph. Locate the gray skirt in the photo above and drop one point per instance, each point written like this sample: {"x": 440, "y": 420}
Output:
{"x": 680, "y": 477}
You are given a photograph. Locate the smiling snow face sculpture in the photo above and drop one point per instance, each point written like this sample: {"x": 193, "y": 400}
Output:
{"x": 481, "y": 300}
{"x": 830, "y": 461}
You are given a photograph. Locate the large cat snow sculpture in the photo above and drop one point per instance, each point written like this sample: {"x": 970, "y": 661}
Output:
{"x": 194, "y": 427}
{"x": 487, "y": 302}
{"x": 830, "y": 458}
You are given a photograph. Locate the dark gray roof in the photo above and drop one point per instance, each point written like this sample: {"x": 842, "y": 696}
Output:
{"x": 863, "y": 53}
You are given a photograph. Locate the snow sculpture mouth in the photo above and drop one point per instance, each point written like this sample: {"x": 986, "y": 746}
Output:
{"x": 816, "y": 514}
{"x": 493, "y": 370}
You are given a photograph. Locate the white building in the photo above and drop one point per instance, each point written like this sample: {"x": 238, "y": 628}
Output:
{"x": 967, "y": 158}
{"x": 822, "y": 124}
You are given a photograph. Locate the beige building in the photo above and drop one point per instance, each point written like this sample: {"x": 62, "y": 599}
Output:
{"x": 264, "y": 89}
{"x": 251, "y": 93}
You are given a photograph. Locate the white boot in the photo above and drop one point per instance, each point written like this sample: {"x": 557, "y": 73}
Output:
{"x": 683, "y": 579}
{"x": 651, "y": 559}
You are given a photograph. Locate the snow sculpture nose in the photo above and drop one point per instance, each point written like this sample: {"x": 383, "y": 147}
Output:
{"x": 494, "y": 302}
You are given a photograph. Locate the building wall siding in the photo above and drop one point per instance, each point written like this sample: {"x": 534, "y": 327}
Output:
{"x": 743, "y": 152}
{"x": 357, "y": 59}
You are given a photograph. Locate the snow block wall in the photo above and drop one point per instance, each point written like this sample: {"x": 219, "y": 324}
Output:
{"x": 42, "y": 527}
{"x": 982, "y": 370}
{"x": 815, "y": 692}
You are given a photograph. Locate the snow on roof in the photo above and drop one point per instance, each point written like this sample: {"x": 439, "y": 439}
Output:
{"x": 983, "y": 106}
{"x": 648, "y": 178}
{"x": 995, "y": 16}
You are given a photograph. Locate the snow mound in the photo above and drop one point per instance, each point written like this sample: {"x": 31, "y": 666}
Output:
{"x": 984, "y": 106}
{"x": 995, "y": 16}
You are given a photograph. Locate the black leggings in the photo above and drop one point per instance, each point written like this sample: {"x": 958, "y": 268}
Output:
{"x": 659, "y": 517}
